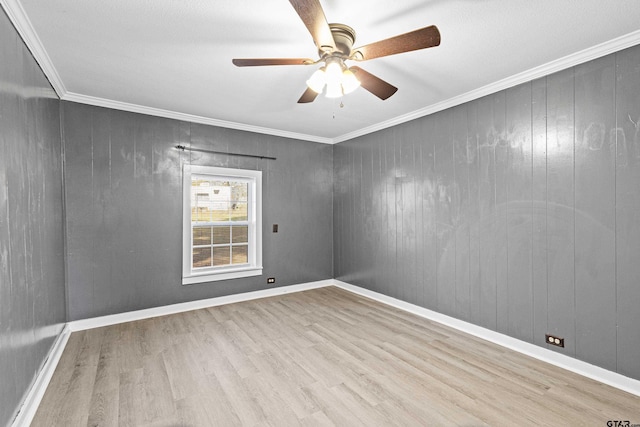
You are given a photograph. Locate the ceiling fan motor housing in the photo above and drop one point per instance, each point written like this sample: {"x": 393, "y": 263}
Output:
{"x": 344, "y": 37}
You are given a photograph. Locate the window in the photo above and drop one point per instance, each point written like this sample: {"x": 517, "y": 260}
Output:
{"x": 222, "y": 224}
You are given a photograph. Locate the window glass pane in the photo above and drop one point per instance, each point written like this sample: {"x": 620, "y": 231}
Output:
{"x": 239, "y": 211}
{"x": 221, "y": 256}
{"x": 201, "y": 257}
{"x": 200, "y": 214}
{"x": 200, "y": 199}
{"x": 240, "y": 254}
{"x": 240, "y": 234}
{"x": 221, "y": 235}
{"x": 201, "y": 236}
{"x": 239, "y": 191}
{"x": 220, "y": 200}
{"x": 220, "y": 211}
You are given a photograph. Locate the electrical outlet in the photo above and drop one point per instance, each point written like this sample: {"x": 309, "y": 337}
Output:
{"x": 553, "y": 340}
{"x": 271, "y": 280}
{"x": 275, "y": 228}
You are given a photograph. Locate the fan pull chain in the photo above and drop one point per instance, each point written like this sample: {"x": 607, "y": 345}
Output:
{"x": 341, "y": 106}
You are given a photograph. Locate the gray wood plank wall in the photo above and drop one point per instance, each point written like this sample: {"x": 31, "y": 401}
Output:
{"x": 123, "y": 180}
{"x": 32, "y": 293}
{"x": 519, "y": 211}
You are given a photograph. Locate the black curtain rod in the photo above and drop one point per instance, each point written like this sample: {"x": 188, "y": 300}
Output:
{"x": 183, "y": 148}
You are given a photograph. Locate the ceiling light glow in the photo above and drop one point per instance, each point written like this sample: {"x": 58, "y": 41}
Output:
{"x": 336, "y": 77}
{"x": 349, "y": 81}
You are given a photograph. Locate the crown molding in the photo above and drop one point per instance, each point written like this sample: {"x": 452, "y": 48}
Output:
{"x": 135, "y": 108}
{"x": 21, "y": 22}
{"x": 560, "y": 64}
{"x": 568, "y": 61}
{"x": 18, "y": 17}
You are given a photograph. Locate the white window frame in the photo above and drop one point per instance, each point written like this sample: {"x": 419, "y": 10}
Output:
{"x": 254, "y": 266}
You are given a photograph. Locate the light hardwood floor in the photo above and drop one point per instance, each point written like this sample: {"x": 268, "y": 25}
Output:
{"x": 319, "y": 357}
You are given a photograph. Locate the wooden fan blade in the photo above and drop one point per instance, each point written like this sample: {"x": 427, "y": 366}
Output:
{"x": 309, "y": 95}
{"x": 373, "y": 84}
{"x": 414, "y": 40}
{"x": 311, "y": 13}
{"x": 256, "y": 62}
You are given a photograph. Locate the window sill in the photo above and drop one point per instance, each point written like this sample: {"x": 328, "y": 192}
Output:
{"x": 223, "y": 275}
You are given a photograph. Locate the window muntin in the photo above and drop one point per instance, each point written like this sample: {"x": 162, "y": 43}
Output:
{"x": 223, "y": 223}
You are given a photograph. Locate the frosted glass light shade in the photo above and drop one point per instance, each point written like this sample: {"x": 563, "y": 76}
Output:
{"x": 317, "y": 80}
{"x": 349, "y": 81}
{"x": 333, "y": 72}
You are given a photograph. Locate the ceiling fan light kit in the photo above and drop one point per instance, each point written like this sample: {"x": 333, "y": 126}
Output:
{"x": 335, "y": 76}
{"x": 317, "y": 80}
{"x": 349, "y": 81}
{"x": 335, "y": 46}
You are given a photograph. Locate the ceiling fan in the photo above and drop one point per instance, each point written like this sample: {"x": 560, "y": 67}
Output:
{"x": 335, "y": 46}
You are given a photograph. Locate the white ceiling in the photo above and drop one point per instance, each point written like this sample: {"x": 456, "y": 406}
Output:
{"x": 173, "y": 58}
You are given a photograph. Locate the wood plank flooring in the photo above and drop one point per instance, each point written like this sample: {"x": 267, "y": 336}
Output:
{"x": 320, "y": 357}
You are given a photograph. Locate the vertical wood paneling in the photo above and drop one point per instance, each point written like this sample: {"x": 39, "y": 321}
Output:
{"x": 627, "y": 196}
{"x": 539, "y": 209}
{"x": 429, "y": 259}
{"x": 349, "y": 212}
{"x": 342, "y": 187}
{"x": 400, "y": 254}
{"x": 487, "y": 213}
{"x": 461, "y": 211}
{"x": 512, "y": 208}
{"x": 339, "y": 191}
{"x": 445, "y": 194}
{"x": 498, "y": 140}
{"x": 125, "y": 144}
{"x": 164, "y": 183}
{"x": 409, "y": 205}
{"x": 78, "y": 181}
{"x": 32, "y": 281}
{"x": 391, "y": 248}
{"x": 518, "y": 214}
{"x": 595, "y": 212}
{"x": 356, "y": 222}
{"x": 473, "y": 214}
{"x": 560, "y": 208}
{"x": 125, "y": 203}
{"x": 363, "y": 159}
{"x": 101, "y": 216}
{"x": 377, "y": 207}
{"x": 367, "y": 235}
{"x": 420, "y": 219}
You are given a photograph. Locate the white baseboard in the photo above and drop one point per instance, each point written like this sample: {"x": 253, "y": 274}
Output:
{"x": 113, "y": 319}
{"x": 585, "y": 369}
{"x": 588, "y": 370}
{"x": 35, "y": 394}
